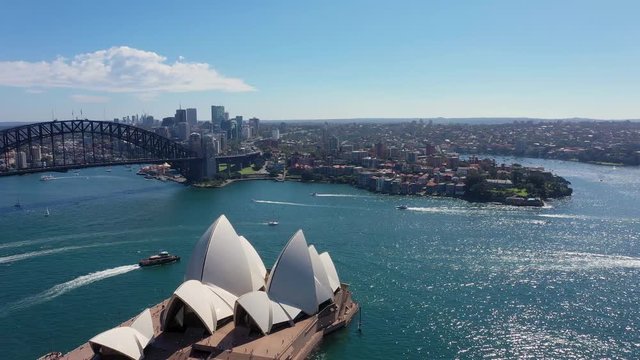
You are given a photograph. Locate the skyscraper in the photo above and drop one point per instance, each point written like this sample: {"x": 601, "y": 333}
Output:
{"x": 217, "y": 116}
{"x": 192, "y": 117}
{"x": 181, "y": 116}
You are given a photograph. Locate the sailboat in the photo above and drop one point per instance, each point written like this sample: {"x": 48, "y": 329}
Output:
{"x": 47, "y": 213}
{"x": 17, "y": 204}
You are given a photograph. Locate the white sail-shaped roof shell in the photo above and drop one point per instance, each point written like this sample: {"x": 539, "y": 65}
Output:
{"x": 330, "y": 270}
{"x": 258, "y": 270}
{"x": 323, "y": 287}
{"x": 209, "y": 303}
{"x": 224, "y": 259}
{"x": 265, "y": 312}
{"x": 292, "y": 281}
{"x": 129, "y": 341}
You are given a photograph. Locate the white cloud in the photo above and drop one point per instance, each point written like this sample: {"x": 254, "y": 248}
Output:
{"x": 89, "y": 99}
{"x": 34, "y": 91}
{"x": 118, "y": 70}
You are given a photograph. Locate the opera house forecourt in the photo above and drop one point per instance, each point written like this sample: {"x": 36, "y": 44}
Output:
{"x": 231, "y": 307}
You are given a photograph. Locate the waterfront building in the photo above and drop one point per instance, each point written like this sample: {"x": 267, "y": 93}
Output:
{"x": 230, "y": 306}
{"x": 357, "y": 156}
{"x": 36, "y": 156}
{"x": 21, "y": 160}
{"x": 370, "y": 163}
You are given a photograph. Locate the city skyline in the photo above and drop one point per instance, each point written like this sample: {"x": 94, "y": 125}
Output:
{"x": 286, "y": 60}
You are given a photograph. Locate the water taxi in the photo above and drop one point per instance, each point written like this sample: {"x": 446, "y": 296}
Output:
{"x": 160, "y": 259}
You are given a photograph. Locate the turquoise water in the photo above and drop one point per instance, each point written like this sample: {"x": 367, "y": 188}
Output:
{"x": 443, "y": 279}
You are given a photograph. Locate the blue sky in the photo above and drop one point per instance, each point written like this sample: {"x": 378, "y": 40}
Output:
{"x": 324, "y": 59}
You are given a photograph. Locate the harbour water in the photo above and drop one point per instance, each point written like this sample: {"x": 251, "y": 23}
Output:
{"x": 442, "y": 279}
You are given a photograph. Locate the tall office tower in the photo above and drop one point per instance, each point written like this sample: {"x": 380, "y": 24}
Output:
{"x": 238, "y": 129}
{"x": 255, "y": 124}
{"x": 181, "y": 116}
{"x": 192, "y": 117}
{"x": 217, "y": 116}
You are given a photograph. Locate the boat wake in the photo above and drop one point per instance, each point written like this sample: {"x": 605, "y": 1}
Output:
{"x": 564, "y": 216}
{"x": 22, "y": 243}
{"x": 64, "y": 288}
{"x": 568, "y": 260}
{"x": 443, "y": 210}
{"x": 32, "y": 254}
{"x": 339, "y": 195}
{"x": 285, "y": 203}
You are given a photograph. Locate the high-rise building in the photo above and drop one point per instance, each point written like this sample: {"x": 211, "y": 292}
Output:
{"x": 21, "y": 160}
{"x": 238, "y": 128}
{"x": 183, "y": 131}
{"x": 247, "y": 131}
{"x": 168, "y": 122}
{"x": 381, "y": 151}
{"x": 217, "y": 116}
{"x": 334, "y": 144}
{"x": 255, "y": 124}
{"x": 36, "y": 155}
{"x": 192, "y": 117}
{"x": 195, "y": 143}
{"x": 181, "y": 116}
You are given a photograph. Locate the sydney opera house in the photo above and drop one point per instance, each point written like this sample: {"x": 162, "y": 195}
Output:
{"x": 230, "y": 307}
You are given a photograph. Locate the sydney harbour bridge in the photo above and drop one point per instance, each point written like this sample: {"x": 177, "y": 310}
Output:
{"x": 72, "y": 144}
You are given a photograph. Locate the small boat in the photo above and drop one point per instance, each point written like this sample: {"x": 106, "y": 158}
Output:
{"x": 402, "y": 207}
{"x": 314, "y": 194}
{"x": 273, "y": 223}
{"x": 46, "y": 177}
{"x": 160, "y": 259}
{"x": 47, "y": 213}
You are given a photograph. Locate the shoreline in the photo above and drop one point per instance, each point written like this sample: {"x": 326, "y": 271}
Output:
{"x": 539, "y": 204}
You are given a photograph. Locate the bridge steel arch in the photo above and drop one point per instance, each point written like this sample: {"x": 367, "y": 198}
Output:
{"x": 162, "y": 148}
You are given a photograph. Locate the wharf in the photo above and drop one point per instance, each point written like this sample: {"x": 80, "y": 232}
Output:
{"x": 237, "y": 343}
